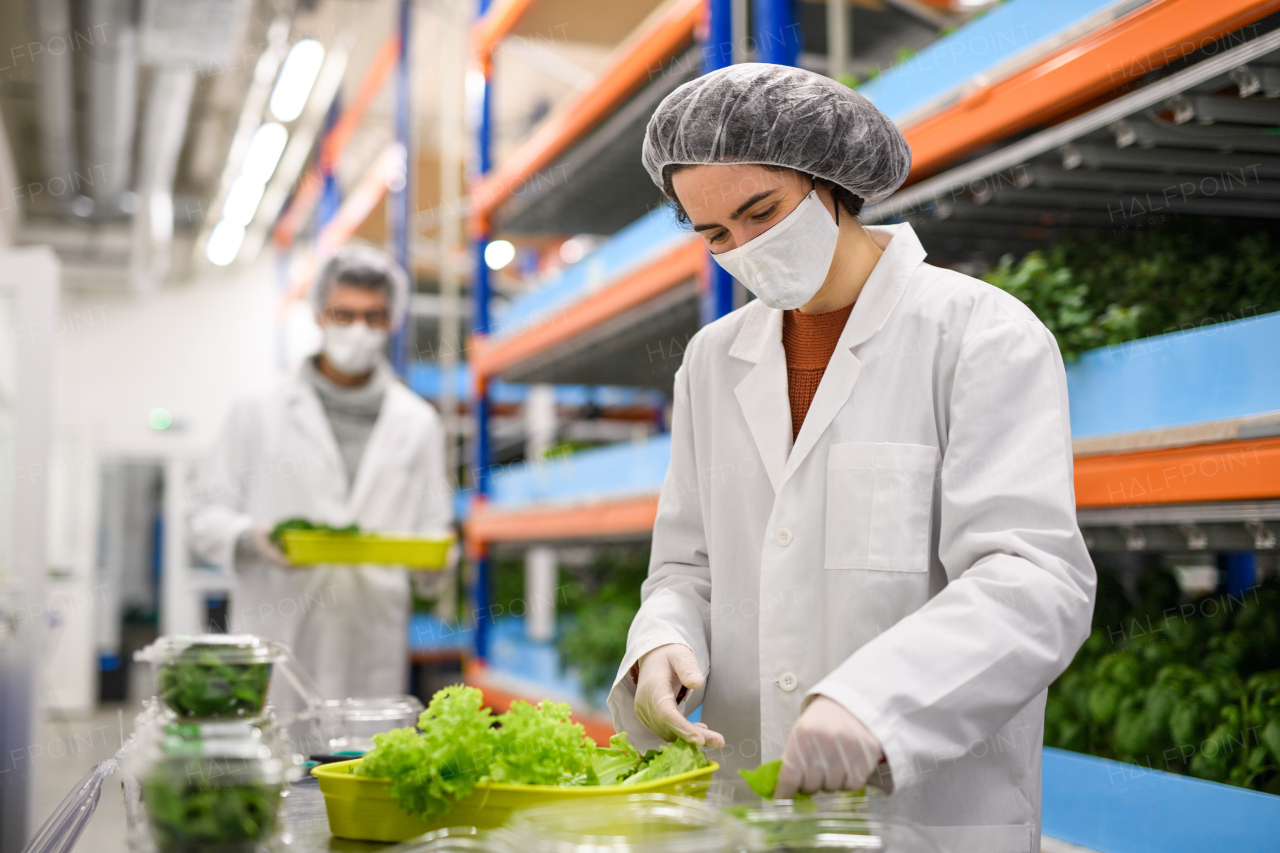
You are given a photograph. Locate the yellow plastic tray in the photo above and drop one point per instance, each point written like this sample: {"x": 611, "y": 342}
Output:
{"x": 305, "y": 547}
{"x": 361, "y": 809}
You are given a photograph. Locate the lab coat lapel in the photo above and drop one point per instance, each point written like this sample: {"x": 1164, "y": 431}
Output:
{"x": 833, "y": 392}
{"x": 387, "y": 436}
{"x": 762, "y": 394}
{"x": 902, "y": 255}
{"x": 311, "y": 422}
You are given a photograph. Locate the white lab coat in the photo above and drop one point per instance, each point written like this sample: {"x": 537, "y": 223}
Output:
{"x": 277, "y": 459}
{"x": 915, "y": 556}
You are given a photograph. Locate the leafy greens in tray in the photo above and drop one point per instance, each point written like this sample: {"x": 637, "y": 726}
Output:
{"x": 463, "y": 745}
{"x": 277, "y": 532}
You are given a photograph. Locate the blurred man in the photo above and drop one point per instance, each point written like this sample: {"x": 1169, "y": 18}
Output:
{"x": 340, "y": 442}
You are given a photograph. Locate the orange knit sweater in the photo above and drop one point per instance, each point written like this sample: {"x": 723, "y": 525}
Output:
{"x": 809, "y": 340}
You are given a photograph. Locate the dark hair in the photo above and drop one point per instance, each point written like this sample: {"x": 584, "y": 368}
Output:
{"x": 850, "y": 201}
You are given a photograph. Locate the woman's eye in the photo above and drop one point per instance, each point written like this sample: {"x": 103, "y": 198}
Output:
{"x": 718, "y": 237}
{"x": 764, "y": 214}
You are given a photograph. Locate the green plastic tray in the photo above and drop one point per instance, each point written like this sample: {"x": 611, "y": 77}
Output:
{"x": 360, "y": 808}
{"x": 308, "y": 547}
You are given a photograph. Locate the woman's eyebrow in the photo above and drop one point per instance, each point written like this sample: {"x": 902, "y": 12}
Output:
{"x": 742, "y": 208}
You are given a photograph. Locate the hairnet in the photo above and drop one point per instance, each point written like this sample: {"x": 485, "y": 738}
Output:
{"x": 780, "y": 116}
{"x": 364, "y": 266}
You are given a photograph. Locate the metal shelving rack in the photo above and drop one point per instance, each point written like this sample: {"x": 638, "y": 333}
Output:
{"x": 670, "y": 36}
{"x": 1071, "y": 116}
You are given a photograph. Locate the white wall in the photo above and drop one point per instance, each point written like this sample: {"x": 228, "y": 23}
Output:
{"x": 190, "y": 348}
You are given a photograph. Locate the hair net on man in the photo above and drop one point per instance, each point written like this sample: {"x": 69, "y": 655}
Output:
{"x": 364, "y": 266}
{"x": 756, "y": 113}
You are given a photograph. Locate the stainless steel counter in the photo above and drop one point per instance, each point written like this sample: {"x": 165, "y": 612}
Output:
{"x": 306, "y": 827}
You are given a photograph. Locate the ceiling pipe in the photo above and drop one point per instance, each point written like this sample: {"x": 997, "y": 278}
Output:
{"x": 255, "y": 102}
{"x": 55, "y": 85}
{"x": 109, "y": 70}
{"x": 163, "y": 129}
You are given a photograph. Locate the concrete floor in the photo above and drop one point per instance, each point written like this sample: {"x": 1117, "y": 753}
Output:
{"x": 68, "y": 750}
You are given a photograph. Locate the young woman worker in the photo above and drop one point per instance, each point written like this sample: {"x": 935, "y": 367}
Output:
{"x": 866, "y": 560}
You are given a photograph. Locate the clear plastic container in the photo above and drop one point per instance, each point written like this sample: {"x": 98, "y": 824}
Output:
{"x": 800, "y": 832}
{"x": 348, "y": 725}
{"x": 454, "y": 839}
{"x": 209, "y": 794}
{"x": 213, "y": 676}
{"x": 159, "y": 733}
{"x": 643, "y": 823}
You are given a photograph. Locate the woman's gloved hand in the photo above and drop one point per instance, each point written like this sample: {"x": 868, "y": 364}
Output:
{"x": 663, "y": 672}
{"x": 829, "y": 749}
{"x": 259, "y": 537}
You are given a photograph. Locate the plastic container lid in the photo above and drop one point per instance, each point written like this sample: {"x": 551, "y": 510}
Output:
{"x": 160, "y": 737}
{"x": 455, "y": 839}
{"x": 350, "y": 724}
{"x": 797, "y": 832}
{"x": 229, "y": 649}
{"x": 209, "y": 676}
{"x": 392, "y": 710}
{"x": 645, "y": 823}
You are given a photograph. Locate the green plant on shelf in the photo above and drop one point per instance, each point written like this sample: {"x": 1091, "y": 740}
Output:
{"x": 595, "y": 603}
{"x": 1177, "y": 685}
{"x": 593, "y": 638}
{"x": 1092, "y": 289}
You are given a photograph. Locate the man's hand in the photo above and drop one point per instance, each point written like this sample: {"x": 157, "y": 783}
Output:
{"x": 662, "y": 673}
{"x": 828, "y": 750}
{"x": 260, "y": 540}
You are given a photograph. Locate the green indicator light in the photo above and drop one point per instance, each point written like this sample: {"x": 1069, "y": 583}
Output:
{"x": 160, "y": 418}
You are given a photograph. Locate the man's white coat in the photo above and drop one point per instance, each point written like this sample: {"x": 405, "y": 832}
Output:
{"x": 914, "y": 556}
{"x": 277, "y": 459}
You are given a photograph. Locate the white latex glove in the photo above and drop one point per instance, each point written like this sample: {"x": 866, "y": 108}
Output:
{"x": 662, "y": 673}
{"x": 829, "y": 749}
{"x": 260, "y": 541}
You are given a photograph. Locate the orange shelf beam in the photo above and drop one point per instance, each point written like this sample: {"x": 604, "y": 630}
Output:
{"x": 488, "y": 358}
{"x": 664, "y": 37}
{"x": 597, "y": 728}
{"x": 1148, "y": 38}
{"x": 496, "y": 25}
{"x": 598, "y": 519}
{"x": 1225, "y": 471}
{"x": 311, "y": 186}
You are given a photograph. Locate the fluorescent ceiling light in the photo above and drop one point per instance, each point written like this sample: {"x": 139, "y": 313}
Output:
{"x": 498, "y": 254}
{"x": 294, "y": 84}
{"x": 264, "y": 152}
{"x": 224, "y": 243}
{"x": 242, "y": 201}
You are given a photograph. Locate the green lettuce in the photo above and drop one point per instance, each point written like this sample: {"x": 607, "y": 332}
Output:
{"x": 540, "y": 745}
{"x": 617, "y": 761}
{"x": 764, "y": 779}
{"x": 674, "y": 759}
{"x": 463, "y": 745}
{"x": 431, "y": 771}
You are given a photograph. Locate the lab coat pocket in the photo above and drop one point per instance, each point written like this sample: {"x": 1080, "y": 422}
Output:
{"x": 879, "y": 506}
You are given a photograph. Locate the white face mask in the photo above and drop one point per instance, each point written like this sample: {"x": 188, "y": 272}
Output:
{"x": 353, "y": 349}
{"x": 786, "y": 265}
